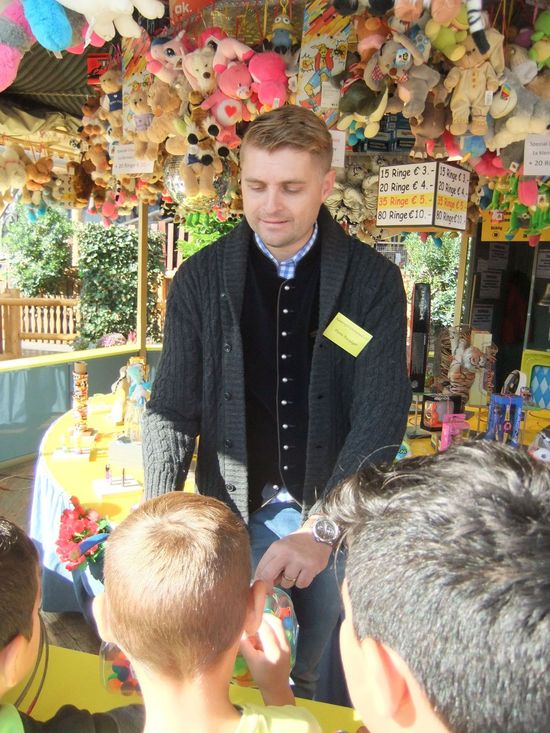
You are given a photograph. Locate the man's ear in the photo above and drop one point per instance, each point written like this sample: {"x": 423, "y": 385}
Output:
{"x": 328, "y": 183}
{"x": 102, "y": 618}
{"x": 11, "y": 658}
{"x": 255, "y": 607}
{"x": 387, "y": 675}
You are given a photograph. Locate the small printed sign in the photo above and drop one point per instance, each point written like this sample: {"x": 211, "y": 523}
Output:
{"x": 536, "y": 155}
{"x": 126, "y": 163}
{"x": 338, "y": 148}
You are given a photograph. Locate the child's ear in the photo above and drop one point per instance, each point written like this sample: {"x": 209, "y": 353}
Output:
{"x": 12, "y": 658}
{"x": 255, "y": 607}
{"x": 387, "y": 675}
{"x": 101, "y": 618}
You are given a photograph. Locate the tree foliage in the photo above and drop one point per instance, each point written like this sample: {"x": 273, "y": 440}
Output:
{"x": 40, "y": 253}
{"x": 438, "y": 266}
{"x": 108, "y": 266}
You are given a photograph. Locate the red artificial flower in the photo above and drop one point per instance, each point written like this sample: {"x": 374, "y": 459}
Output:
{"x": 76, "y": 524}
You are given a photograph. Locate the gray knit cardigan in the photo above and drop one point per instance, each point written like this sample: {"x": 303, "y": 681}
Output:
{"x": 357, "y": 406}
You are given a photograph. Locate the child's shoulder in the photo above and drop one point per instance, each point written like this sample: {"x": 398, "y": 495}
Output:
{"x": 275, "y": 719}
{"x": 10, "y": 720}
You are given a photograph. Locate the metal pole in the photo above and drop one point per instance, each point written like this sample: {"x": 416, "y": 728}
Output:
{"x": 531, "y": 296}
{"x": 141, "y": 327}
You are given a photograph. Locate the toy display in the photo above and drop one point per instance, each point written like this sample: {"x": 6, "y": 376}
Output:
{"x": 455, "y": 428}
{"x": 440, "y": 79}
{"x": 504, "y": 421}
{"x": 279, "y": 604}
{"x": 434, "y": 409}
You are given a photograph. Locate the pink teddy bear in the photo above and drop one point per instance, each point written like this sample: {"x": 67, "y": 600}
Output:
{"x": 226, "y": 49}
{"x": 270, "y": 83}
{"x": 230, "y": 102}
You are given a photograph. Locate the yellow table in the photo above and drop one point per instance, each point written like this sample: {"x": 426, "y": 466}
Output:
{"x": 61, "y": 475}
{"x": 74, "y": 677}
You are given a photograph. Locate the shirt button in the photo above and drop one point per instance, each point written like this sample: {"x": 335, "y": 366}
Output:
{"x": 285, "y": 426}
{"x": 228, "y": 443}
{"x": 223, "y": 296}
{"x": 284, "y": 333}
{"x": 286, "y": 287}
{"x": 320, "y": 396}
{"x": 285, "y": 379}
{"x": 285, "y": 310}
{"x": 284, "y": 402}
{"x": 227, "y": 347}
{"x": 285, "y": 447}
{"x": 227, "y": 395}
{"x": 285, "y": 468}
{"x": 283, "y": 356}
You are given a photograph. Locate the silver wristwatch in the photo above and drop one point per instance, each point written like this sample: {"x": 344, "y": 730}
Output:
{"x": 325, "y": 530}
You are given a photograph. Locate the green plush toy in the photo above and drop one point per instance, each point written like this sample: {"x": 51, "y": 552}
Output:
{"x": 449, "y": 37}
{"x": 540, "y": 50}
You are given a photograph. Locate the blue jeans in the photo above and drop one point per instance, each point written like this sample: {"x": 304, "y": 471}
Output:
{"x": 317, "y": 606}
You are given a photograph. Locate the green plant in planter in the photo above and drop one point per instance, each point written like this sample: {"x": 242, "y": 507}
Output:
{"x": 108, "y": 271}
{"x": 202, "y": 229}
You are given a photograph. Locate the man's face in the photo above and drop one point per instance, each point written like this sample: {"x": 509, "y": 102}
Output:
{"x": 282, "y": 193}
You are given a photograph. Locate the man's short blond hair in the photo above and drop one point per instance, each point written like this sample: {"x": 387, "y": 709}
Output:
{"x": 177, "y": 574}
{"x": 290, "y": 127}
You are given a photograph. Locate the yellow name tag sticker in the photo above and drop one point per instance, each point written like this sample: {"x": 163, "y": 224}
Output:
{"x": 347, "y": 335}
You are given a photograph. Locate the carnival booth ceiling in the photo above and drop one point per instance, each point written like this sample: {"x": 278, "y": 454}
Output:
{"x": 174, "y": 91}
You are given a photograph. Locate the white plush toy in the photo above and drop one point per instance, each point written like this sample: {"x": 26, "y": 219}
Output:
{"x": 105, "y": 17}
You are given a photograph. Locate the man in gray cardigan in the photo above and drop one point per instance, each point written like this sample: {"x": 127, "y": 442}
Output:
{"x": 284, "y": 349}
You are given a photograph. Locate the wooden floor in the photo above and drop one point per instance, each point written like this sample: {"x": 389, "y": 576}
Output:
{"x": 68, "y": 630}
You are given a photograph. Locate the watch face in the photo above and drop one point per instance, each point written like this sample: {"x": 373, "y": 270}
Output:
{"x": 326, "y": 530}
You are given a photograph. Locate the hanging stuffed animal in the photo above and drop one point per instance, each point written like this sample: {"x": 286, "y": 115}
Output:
{"x": 106, "y": 17}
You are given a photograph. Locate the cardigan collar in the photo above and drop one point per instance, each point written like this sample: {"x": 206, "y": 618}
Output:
{"x": 335, "y": 245}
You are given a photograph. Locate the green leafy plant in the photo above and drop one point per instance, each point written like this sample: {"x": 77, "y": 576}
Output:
{"x": 438, "y": 266}
{"x": 108, "y": 271}
{"x": 201, "y": 229}
{"x": 39, "y": 253}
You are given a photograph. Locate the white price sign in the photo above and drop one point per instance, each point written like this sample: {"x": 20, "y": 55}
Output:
{"x": 406, "y": 195}
{"x": 125, "y": 162}
{"x": 536, "y": 158}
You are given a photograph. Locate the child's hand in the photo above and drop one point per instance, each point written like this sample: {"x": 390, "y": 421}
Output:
{"x": 268, "y": 658}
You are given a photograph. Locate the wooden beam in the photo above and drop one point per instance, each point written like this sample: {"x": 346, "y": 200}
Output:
{"x": 143, "y": 248}
{"x": 461, "y": 278}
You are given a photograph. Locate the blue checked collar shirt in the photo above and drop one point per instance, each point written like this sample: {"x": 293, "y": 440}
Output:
{"x": 287, "y": 268}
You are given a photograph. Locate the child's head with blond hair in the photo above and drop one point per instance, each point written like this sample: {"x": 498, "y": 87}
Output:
{"x": 177, "y": 577}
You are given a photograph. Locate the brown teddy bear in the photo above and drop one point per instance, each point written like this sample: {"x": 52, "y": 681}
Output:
{"x": 472, "y": 80}
{"x": 110, "y": 109}
{"x": 38, "y": 174}
{"x": 142, "y": 118}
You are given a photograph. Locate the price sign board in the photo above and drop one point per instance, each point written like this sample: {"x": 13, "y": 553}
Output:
{"x": 451, "y": 203}
{"x": 406, "y": 195}
{"x": 536, "y": 157}
{"x": 422, "y": 195}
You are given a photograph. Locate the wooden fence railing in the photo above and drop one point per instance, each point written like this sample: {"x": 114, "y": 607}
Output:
{"x": 53, "y": 320}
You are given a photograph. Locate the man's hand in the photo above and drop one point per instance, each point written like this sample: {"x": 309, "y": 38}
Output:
{"x": 294, "y": 560}
{"x": 268, "y": 659}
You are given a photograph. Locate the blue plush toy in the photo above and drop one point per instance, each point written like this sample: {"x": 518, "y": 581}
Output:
{"x": 49, "y": 23}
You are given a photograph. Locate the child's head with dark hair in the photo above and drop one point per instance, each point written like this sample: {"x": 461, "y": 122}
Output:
{"x": 19, "y": 603}
{"x": 448, "y": 592}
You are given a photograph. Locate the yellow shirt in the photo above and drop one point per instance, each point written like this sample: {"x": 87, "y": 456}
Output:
{"x": 272, "y": 719}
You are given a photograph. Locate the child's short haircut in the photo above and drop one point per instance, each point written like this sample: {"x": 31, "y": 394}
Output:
{"x": 18, "y": 582}
{"x": 290, "y": 127}
{"x": 448, "y": 565}
{"x": 177, "y": 574}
